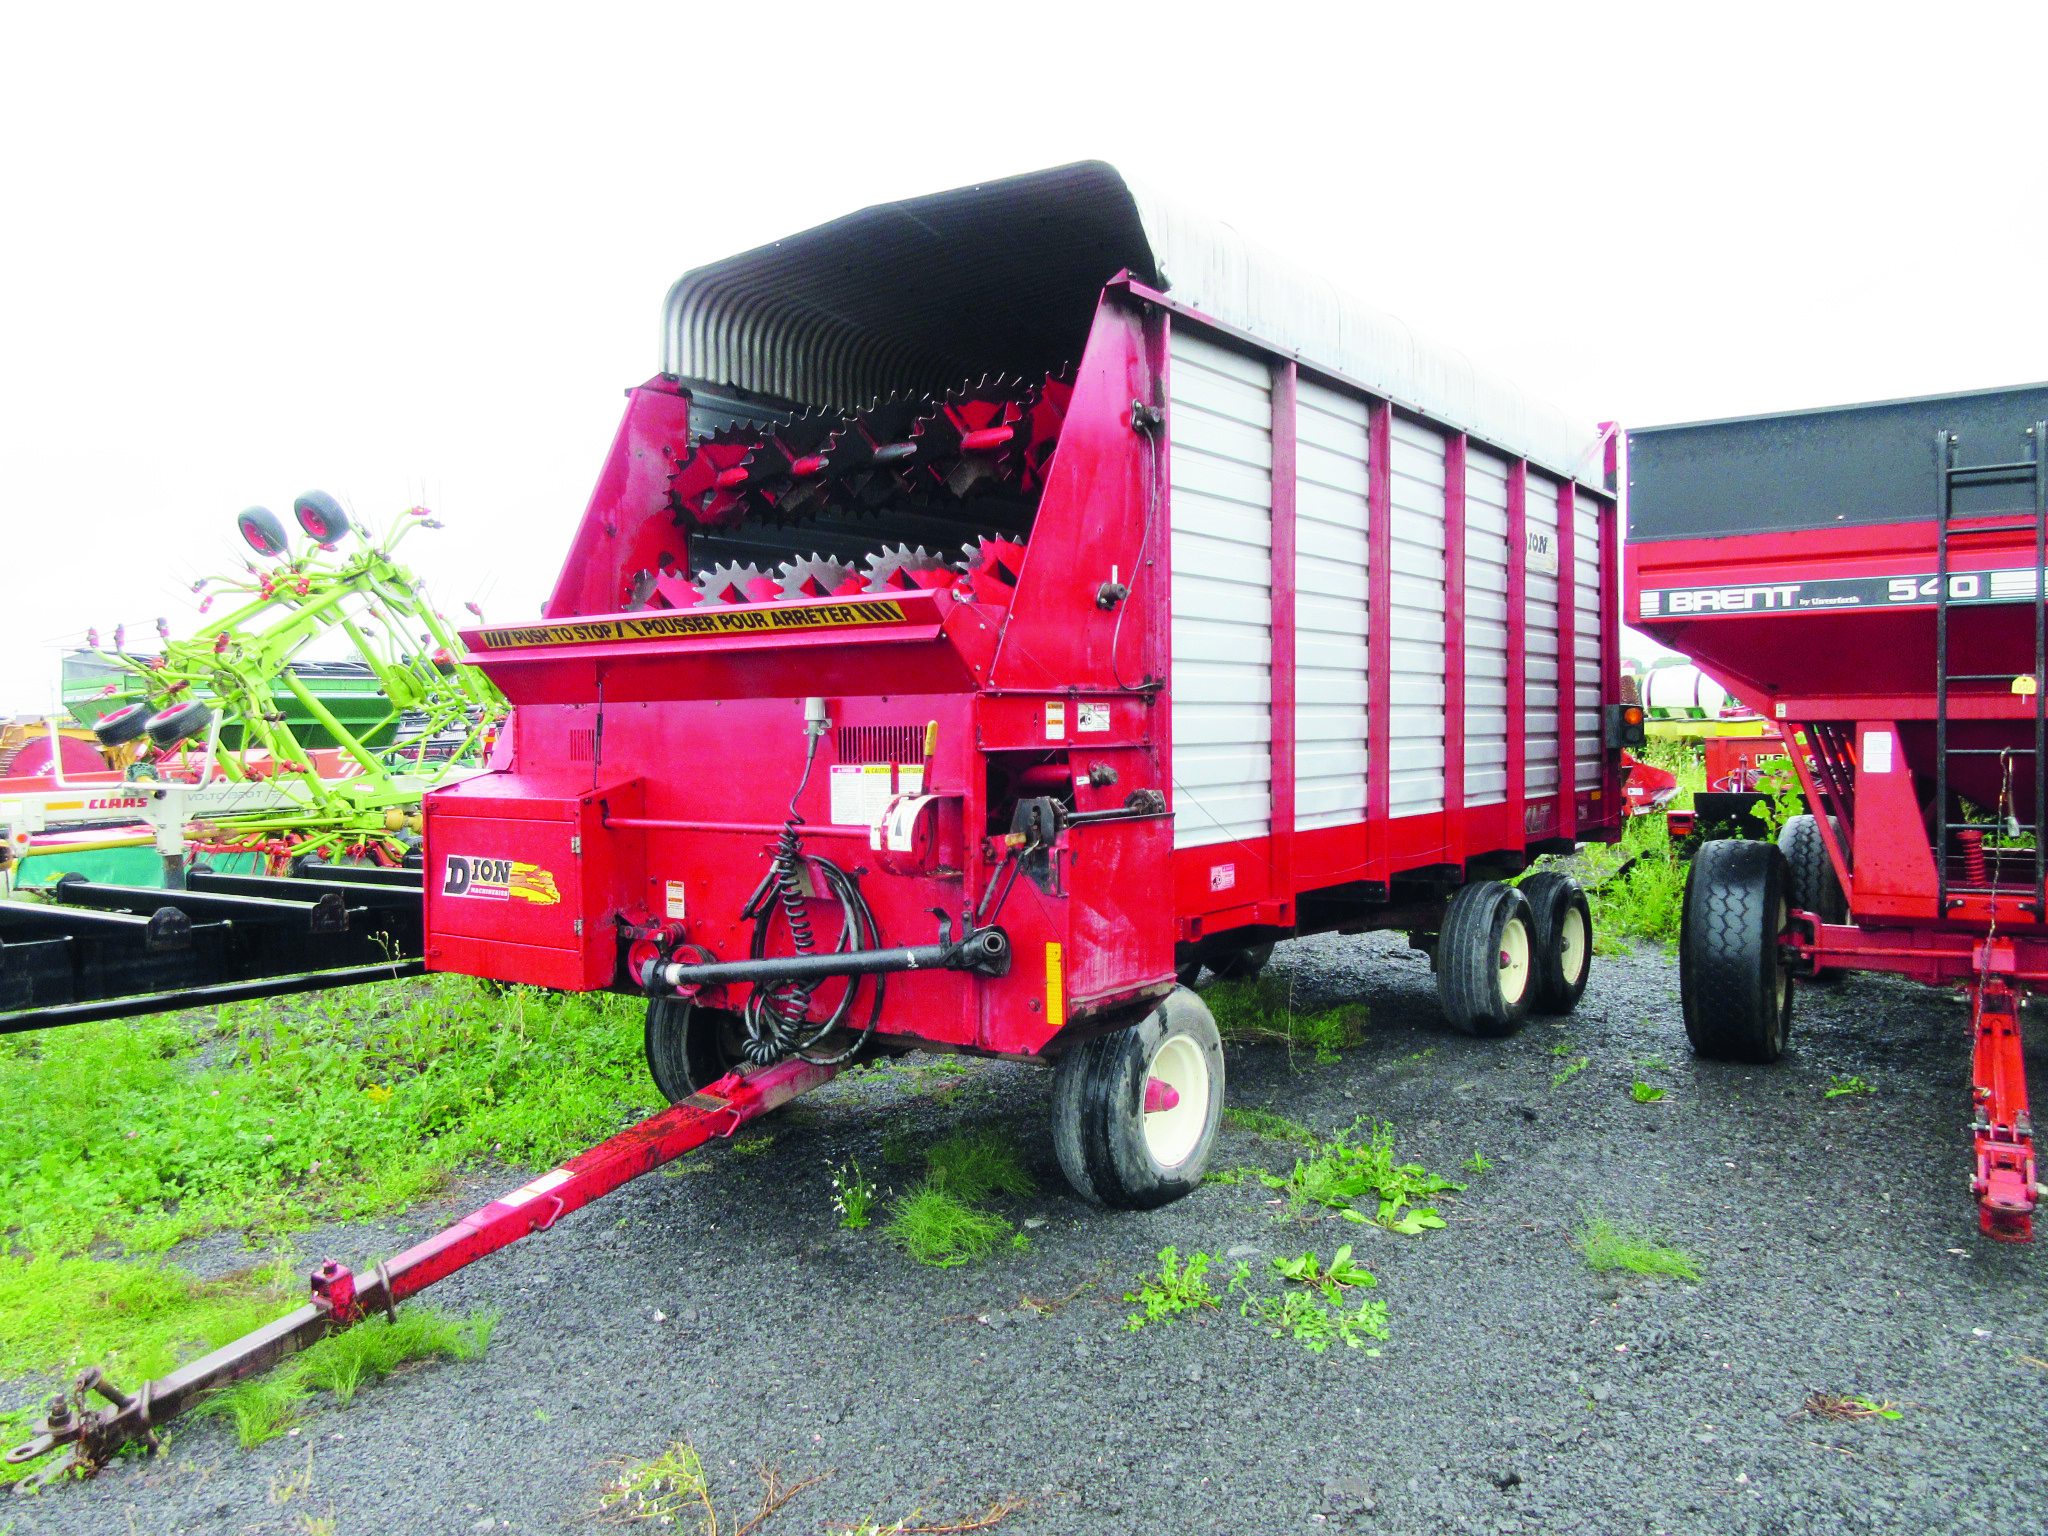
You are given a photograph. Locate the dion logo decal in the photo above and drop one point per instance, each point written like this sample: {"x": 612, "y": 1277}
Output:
{"x": 498, "y": 880}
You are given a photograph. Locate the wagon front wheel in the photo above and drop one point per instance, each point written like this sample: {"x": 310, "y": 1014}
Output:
{"x": 1135, "y": 1112}
{"x": 688, "y": 1047}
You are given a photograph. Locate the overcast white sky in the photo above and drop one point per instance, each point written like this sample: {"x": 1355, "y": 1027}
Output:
{"x": 415, "y": 253}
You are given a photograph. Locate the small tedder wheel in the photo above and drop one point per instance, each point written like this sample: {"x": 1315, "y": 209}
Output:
{"x": 1486, "y": 959}
{"x": 1732, "y": 980}
{"x": 168, "y": 727}
{"x": 120, "y": 726}
{"x": 1244, "y": 964}
{"x": 1561, "y": 927}
{"x": 1134, "y": 1113}
{"x": 321, "y": 516}
{"x": 262, "y": 532}
{"x": 689, "y": 1047}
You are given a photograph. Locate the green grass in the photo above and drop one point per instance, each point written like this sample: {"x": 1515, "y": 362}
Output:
{"x": 1607, "y": 1247}
{"x": 265, "y": 1406}
{"x": 1645, "y": 902}
{"x": 1262, "y": 1011}
{"x": 120, "y": 1139}
{"x": 270, "y": 1117}
{"x": 936, "y": 1227}
{"x": 1177, "y": 1289}
{"x": 974, "y": 1164}
{"x": 1263, "y": 1122}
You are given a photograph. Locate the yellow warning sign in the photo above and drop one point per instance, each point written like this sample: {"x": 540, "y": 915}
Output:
{"x": 683, "y": 625}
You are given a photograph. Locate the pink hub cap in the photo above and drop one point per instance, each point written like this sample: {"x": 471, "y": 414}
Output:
{"x": 1160, "y": 1094}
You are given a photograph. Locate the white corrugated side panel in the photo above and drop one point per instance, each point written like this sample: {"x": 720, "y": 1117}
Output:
{"x": 1586, "y": 658}
{"x": 1332, "y": 450}
{"x": 1486, "y": 628}
{"x": 1222, "y": 564}
{"x": 1415, "y": 745}
{"x": 1540, "y": 742}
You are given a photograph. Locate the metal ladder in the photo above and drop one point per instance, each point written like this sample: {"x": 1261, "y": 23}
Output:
{"x": 1950, "y": 477}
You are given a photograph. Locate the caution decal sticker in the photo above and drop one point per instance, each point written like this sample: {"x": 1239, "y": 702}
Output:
{"x": 672, "y": 626}
{"x": 498, "y": 880}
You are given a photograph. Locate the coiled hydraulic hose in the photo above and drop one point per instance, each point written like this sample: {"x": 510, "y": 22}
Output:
{"x": 776, "y": 1020}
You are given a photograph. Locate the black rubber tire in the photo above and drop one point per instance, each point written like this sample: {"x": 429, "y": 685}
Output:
{"x": 1733, "y": 986}
{"x": 1243, "y": 964}
{"x": 118, "y": 727}
{"x": 1187, "y": 972}
{"x": 180, "y": 722}
{"x": 1561, "y": 926}
{"x": 1099, "y": 1124}
{"x": 322, "y": 518}
{"x": 262, "y": 532}
{"x": 1480, "y": 993}
{"x": 688, "y": 1047}
{"x": 1811, "y": 885}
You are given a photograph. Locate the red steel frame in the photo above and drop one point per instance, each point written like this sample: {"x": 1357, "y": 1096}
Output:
{"x": 1854, "y": 675}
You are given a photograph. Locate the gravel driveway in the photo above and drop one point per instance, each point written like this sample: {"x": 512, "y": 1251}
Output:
{"x": 1519, "y": 1392}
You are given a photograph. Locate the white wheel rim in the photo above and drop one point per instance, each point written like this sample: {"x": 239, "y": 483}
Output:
{"x": 1514, "y": 961}
{"x": 1571, "y": 944}
{"x": 1171, "y": 1135}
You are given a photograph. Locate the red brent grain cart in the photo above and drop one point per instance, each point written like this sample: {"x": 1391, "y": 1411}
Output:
{"x": 1005, "y": 603}
{"x": 1870, "y": 579}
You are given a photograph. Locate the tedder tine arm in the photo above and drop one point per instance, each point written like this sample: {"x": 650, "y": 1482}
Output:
{"x": 91, "y": 1434}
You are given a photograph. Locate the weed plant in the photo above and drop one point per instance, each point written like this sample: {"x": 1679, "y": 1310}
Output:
{"x": 1644, "y": 1093}
{"x": 664, "y": 1489}
{"x": 1643, "y": 902}
{"x": 1346, "y": 1170}
{"x": 1177, "y": 1289}
{"x": 853, "y": 1196}
{"x": 1262, "y": 1011}
{"x": 1841, "y": 1087}
{"x": 1607, "y": 1247}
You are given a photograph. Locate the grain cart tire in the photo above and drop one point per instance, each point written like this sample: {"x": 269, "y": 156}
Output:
{"x": 1486, "y": 959}
{"x": 1244, "y": 964}
{"x": 1733, "y": 985}
{"x": 180, "y": 722}
{"x": 1561, "y": 927}
{"x": 688, "y": 1047}
{"x": 1811, "y": 885}
{"x": 1112, "y": 1150}
{"x": 321, "y": 516}
{"x": 262, "y": 532}
{"x": 120, "y": 726}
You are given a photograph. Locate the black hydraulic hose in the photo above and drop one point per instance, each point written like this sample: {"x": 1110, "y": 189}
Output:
{"x": 774, "y": 1021}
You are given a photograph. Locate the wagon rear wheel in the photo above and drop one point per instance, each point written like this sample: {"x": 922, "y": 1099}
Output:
{"x": 1135, "y": 1112}
{"x": 1486, "y": 959}
{"x": 1561, "y": 928}
{"x": 1733, "y": 983}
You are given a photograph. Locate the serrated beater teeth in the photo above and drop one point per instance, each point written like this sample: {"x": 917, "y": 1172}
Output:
{"x": 815, "y": 576}
{"x": 903, "y": 569}
{"x": 735, "y": 584}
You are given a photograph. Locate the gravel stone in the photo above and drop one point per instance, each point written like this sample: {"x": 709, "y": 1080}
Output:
{"x": 1501, "y": 1403}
